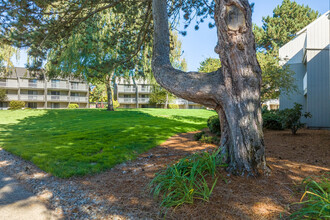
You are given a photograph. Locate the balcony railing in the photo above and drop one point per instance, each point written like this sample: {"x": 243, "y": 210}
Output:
{"x": 129, "y": 89}
{"x": 27, "y": 97}
{"x": 192, "y": 103}
{"x": 78, "y": 99}
{"x": 180, "y": 102}
{"x": 80, "y": 87}
{"x": 35, "y": 85}
{"x": 144, "y": 100}
{"x": 11, "y": 97}
{"x": 9, "y": 84}
{"x": 58, "y": 98}
{"x": 126, "y": 100}
{"x": 58, "y": 85}
{"x": 145, "y": 89}
{"x": 3, "y": 83}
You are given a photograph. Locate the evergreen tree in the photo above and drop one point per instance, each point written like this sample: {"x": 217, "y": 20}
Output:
{"x": 288, "y": 18}
{"x": 100, "y": 52}
{"x": 209, "y": 65}
{"x": 6, "y": 54}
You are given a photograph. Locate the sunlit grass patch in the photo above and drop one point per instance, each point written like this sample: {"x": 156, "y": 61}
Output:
{"x": 82, "y": 141}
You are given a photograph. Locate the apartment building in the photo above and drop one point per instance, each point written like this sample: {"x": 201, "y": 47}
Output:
{"x": 37, "y": 91}
{"x": 130, "y": 95}
{"x": 308, "y": 55}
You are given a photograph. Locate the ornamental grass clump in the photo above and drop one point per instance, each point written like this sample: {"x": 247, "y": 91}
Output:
{"x": 315, "y": 201}
{"x": 186, "y": 180}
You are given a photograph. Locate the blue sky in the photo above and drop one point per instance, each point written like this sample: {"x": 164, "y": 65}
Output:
{"x": 199, "y": 45}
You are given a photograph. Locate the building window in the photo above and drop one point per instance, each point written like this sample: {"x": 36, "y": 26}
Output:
{"x": 32, "y": 95}
{"x": 33, "y": 83}
{"x": 74, "y": 97}
{"x": 128, "y": 88}
{"x": 55, "y": 83}
{"x": 3, "y": 105}
{"x": 127, "y": 106}
{"x": 74, "y": 85}
{"x": 32, "y": 105}
{"x": 55, "y": 95}
{"x": 3, "y": 82}
{"x": 55, "y": 105}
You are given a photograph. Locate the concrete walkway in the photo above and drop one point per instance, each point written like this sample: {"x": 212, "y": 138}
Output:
{"x": 16, "y": 203}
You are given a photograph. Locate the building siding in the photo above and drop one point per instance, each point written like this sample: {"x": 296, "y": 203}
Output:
{"x": 288, "y": 100}
{"x": 309, "y": 52}
{"x": 318, "y": 88}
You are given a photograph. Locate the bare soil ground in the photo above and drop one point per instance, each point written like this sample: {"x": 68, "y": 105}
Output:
{"x": 291, "y": 159}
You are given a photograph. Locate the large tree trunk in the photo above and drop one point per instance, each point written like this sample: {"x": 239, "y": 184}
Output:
{"x": 166, "y": 101}
{"x": 233, "y": 91}
{"x": 109, "y": 94}
{"x": 136, "y": 92}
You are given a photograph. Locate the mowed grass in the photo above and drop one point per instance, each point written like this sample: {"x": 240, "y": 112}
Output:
{"x": 84, "y": 141}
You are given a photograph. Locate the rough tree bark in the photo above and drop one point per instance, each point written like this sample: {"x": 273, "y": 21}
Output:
{"x": 109, "y": 92}
{"x": 233, "y": 91}
{"x": 136, "y": 93}
{"x": 166, "y": 101}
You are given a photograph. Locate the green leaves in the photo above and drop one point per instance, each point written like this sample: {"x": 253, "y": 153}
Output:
{"x": 275, "y": 78}
{"x": 209, "y": 65}
{"x": 288, "y": 18}
{"x": 186, "y": 180}
{"x": 291, "y": 117}
{"x": 315, "y": 201}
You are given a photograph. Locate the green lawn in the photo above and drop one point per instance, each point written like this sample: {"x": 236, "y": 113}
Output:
{"x": 78, "y": 142}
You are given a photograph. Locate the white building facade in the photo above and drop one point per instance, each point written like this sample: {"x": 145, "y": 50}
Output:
{"x": 38, "y": 92}
{"x": 137, "y": 95}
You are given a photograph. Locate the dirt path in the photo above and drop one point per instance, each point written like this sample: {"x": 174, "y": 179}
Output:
{"x": 17, "y": 203}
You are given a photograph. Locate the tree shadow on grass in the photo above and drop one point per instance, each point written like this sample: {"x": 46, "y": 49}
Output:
{"x": 66, "y": 142}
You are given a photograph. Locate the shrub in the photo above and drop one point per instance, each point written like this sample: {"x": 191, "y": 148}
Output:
{"x": 317, "y": 203}
{"x": 213, "y": 123}
{"x": 73, "y": 106}
{"x": 272, "y": 120}
{"x": 206, "y": 139}
{"x": 173, "y": 106}
{"x": 185, "y": 180}
{"x": 115, "y": 104}
{"x": 209, "y": 140}
{"x": 198, "y": 135}
{"x": 291, "y": 117}
{"x": 14, "y": 105}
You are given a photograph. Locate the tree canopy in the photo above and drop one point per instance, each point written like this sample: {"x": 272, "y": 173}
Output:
{"x": 209, "y": 65}
{"x": 278, "y": 29}
{"x": 6, "y": 53}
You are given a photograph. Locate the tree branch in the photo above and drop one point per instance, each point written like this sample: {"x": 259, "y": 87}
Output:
{"x": 193, "y": 86}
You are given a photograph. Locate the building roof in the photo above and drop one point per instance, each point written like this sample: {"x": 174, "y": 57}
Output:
{"x": 327, "y": 14}
{"x": 25, "y": 73}
{"x": 22, "y": 73}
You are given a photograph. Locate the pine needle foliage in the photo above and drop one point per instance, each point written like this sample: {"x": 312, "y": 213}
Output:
{"x": 186, "y": 180}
